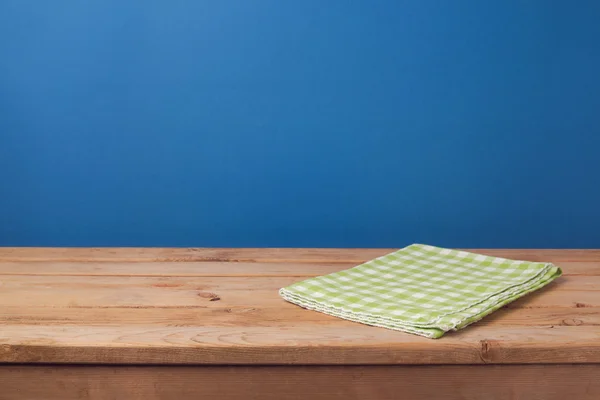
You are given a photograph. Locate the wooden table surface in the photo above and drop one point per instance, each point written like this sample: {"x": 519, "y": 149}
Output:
{"x": 85, "y": 323}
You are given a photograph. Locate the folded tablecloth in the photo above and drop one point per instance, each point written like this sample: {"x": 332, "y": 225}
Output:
{"x": 422, "y": 289}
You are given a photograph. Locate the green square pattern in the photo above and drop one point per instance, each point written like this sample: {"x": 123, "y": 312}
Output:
{"x": 421, "y": 289}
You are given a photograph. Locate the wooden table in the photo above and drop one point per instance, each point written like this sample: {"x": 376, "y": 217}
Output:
{"x": 134, "y": 323}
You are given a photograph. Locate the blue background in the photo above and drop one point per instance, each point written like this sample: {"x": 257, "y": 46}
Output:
{"x": 300, "y": 123}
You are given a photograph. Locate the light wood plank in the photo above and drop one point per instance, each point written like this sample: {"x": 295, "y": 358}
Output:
{"x": 286, "y": 316}
{"x": 576, "y": 283}
{"x": 179, "y": 269}
{"x": 548, "y": 317}
{"x": 315, "y": 345}
{"x": 532, "y": 382}
{"x": 132, "y": 254}
{"x": 544, "y": 255}
{"x": 211, "y": 268}
{"x": 81, "y": 292}
{"x": 77, "y": 291}
{"x": 548, "y": 298}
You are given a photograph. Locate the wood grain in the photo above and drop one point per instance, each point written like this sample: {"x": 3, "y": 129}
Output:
{"x": 221, "y": 306}
{"x": 180, "y": 269}
{"x": 211, "y": 268}
{"x": 131, "y": 254}
{"x": 312, "y": 344}
{"x": 101, "y": 292}
{"x": 286, "y": 316}
{"x": 531, "y": 382}
{"x": 153, "y": 298}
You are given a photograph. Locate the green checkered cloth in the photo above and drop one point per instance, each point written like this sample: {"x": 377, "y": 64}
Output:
{"x": 422, "y": 289}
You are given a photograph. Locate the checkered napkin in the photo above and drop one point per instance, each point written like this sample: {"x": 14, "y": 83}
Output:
{"x": 422, "y": 289}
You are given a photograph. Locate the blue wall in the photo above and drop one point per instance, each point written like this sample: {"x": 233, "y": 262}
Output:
{"x": 300, "y": 123}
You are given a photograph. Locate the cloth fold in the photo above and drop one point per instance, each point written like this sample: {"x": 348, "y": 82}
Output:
{"x": 421, "y": 289}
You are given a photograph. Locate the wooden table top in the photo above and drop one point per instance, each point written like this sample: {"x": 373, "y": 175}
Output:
{"x": 221, "y": 306}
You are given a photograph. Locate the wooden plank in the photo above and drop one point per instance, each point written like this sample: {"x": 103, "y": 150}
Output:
{"x": 283, "y": 317}
{"x": 133, "y": 292}
{"x": 309, "y": 345}
{"x": 261, "y": 255}
{"x": 178, "y": 269}
{"x": 74, "y": 291}
{"x": 77, "y": 291}
{"x": 288, "y": 317}
{"x": 548, "y": 317}
{"x": 211, "y": 268}
{"x": 545, "y": 255}
{"x": 11, "y": 283}
{"x": 532, "y": 382}
{"x": 549, "y": 298}
{"x": 576, "y": 283}
{"x": 131, "y": 254}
